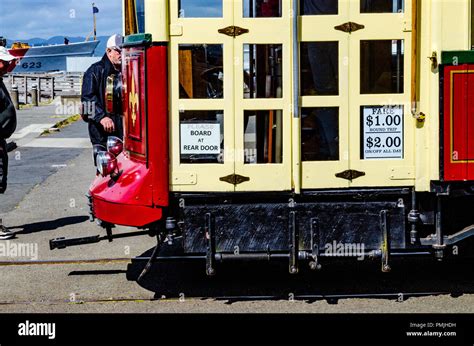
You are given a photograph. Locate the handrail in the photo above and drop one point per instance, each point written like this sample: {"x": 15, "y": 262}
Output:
{"x": 414, "y": 59}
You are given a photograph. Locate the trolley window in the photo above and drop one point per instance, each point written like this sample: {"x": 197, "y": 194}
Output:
{"x": 262, "y": 8}
{"x": 472, "y": 24}
{"x": 381, "y": 6}
{"x": 263, "y": 65}
{"x": 201, "y": 72}
{"x": 319, "y": 7}
{"x": 134, "y": 17}
{"x": 382, "y": 66}
{"x": 319, "y": 68}
{"x": 320, "y": 134}
{"x": 263, "y": 136}
{"x": 200, "y": 9}
{"x": 140, "y": 16}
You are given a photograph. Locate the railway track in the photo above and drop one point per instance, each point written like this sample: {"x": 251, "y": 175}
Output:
{"x": 331, "y": 298}
{"x": 65, "y": 262}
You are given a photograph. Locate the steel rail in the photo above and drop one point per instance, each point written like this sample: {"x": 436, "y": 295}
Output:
{"x": 220, "y": 257}
{"x": 310, "y": 298}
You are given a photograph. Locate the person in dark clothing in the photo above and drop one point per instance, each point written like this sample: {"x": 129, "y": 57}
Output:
{"x": 104, "y": 122}
{"x": 7, "y": 127}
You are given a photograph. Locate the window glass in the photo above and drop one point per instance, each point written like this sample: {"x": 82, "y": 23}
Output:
{"x": 263, "y": 71}
{"x": 382, "y": 67}
{"x": 200, "y": 8}
{"x": 319, "y": 68}
{"x": 263, "y": 134}
{"x": 202, "y": 136}
{"x": 320, "y": 134}
{"x": 472, "y": 24}
{"x": 318, "y": 7}
{"x": 262, "y": 8}
{"x": 134, "y": 15}
{"x": 381, "y": 6}
{"x": 201, "y": 74}
{"x": 141, "y": 16}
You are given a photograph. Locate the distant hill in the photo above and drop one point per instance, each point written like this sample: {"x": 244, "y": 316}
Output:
{"x": 36, "y": 41}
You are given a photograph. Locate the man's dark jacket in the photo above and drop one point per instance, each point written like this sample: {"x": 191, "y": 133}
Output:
{"x": 7, "y": 127}
{"x": 93, "y": 100}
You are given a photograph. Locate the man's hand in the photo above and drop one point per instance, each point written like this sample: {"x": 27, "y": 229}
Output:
{"x": 108, "y": 124}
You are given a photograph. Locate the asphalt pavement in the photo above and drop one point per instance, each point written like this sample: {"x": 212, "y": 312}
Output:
{"x": 32, "y": 162}
{"x": 45, "y": 200}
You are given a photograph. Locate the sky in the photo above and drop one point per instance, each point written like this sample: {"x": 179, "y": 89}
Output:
{"x": 24, "y": 19}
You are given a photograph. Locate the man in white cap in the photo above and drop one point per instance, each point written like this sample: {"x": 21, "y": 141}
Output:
{"x": 102, "y": 123}
{"x": 7, "y": 127}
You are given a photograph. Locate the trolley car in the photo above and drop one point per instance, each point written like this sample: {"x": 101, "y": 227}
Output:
{"x": 300, "y": 130}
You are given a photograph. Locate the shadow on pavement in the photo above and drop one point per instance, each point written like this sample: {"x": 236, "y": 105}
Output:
{"x": 48, "y": 225}
{"x": 337, "y": 280}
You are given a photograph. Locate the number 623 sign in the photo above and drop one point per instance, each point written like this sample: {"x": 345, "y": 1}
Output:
{"x": 31, "y": 64}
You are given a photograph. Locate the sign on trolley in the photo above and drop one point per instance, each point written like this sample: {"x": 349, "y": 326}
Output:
{"x": 200, "y": 139}
{"x": 383, "y": 132}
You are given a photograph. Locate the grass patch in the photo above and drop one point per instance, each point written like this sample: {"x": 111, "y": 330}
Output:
{"x": 29, "y": 105}
{"x": 62, "y": 124}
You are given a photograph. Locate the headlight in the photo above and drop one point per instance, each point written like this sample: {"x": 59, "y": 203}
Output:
{"x": 97, "y": 148}
{"x": 106, "y": 164}
{"x": 114, "y": 145}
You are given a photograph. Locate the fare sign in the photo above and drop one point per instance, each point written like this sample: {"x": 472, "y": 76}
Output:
{"x": 200, "y": 139}
{"x": 383, "y": 132}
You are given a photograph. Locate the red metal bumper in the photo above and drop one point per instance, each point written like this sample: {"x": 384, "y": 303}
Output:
{"x": 127, "y": 200}
{"x": 125, "y": 215}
